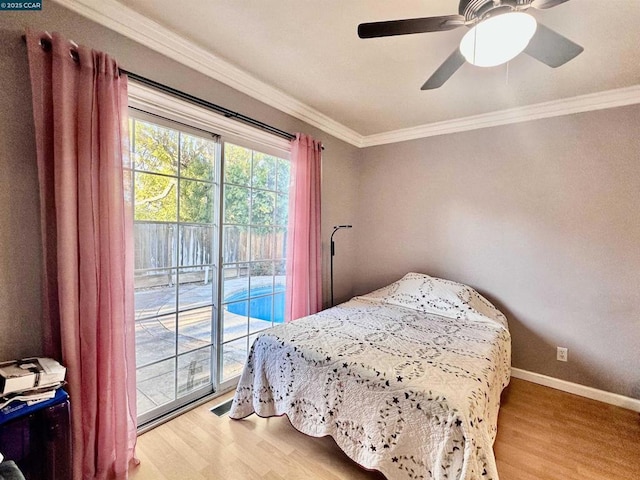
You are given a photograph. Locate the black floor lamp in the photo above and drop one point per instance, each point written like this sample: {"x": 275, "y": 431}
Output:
{"x": 333, "y": 252}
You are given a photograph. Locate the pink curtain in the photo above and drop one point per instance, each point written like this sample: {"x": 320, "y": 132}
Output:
{"x": 79, "y": 106}
{"x": 304, "y": 247}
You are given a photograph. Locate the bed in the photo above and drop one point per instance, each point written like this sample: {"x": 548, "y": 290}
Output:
{"x": 407, "y": 379}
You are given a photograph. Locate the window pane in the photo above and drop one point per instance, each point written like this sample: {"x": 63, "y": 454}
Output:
{"x": 280, "y": 243}
{"x": 155, "y": 292}
{"x": 283, "y": 168}
{"x": 194, "y": 329}
{"x": 195, "y": 288}
{"x": 156, "y": 198}
{"x": 261, "y": 313}
{"x": 156, "y": 385}
{"x": 196, "y": 245}
{"x": 155, "y": 245}
{"x": 234, "y": 317}
{"x": 235, "y": 242}
{"x": 280, "y": 284}
{"x": 261, "y": 279}
{"x": 281, "y": 270}
{"x": 237, "y": 164}
{"x": 263, "y": 206}
{"x": 197, "y": 157}
{"x": 258, "y": 324}
{"x": 282, "y": 209}
{"x": 155, "y": 339}
{"x": 196, "y": 201}
{"x": 235, "y": 278}
{"x": 234, "y": 355}
{"x": 156, "y": 148}
{"x": 278, "y": 304}
{"x": 264, "y": 171}
{"x": 194, "y": 371}
{"x": 262, "y": 243}
{"x": 236, "y": 205}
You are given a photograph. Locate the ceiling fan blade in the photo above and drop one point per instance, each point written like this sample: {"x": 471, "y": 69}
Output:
{"x": 409, "y": 25}
{"x": 552, "y": 48}
{"x": 444, "y": 71}
{"x": 542, "y": 4}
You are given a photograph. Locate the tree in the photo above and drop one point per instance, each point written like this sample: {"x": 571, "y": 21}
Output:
{"x": 169, "y": 163}
{"x": 268, "y": 174}
{"x": 165, "y": 153}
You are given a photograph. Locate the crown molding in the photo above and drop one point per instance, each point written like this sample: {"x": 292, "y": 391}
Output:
{"x": 145, "y": 31}
{"x": 567, "y": 106}
{"x": 141, "y": 29}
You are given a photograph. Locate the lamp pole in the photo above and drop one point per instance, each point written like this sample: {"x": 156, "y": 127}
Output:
{"x": 333, "y": 252}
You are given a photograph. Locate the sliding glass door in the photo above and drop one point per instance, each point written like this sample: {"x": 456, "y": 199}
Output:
{"x": 256, "y": 202}
{"x": 176, "y": 184}
{"x": 209, "y": 258}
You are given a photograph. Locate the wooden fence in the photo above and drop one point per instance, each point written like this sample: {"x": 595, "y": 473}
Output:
{"x": 159, "y": 247}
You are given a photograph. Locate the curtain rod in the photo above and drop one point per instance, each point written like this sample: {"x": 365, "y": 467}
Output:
{"x": 208, "y": 105}
{"x": 46, "y": 44}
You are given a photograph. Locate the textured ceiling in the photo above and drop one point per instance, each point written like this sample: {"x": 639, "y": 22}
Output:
{"x": 310, "y": 50}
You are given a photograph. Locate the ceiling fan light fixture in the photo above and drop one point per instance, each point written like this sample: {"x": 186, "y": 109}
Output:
{"x": 498, "y": 39}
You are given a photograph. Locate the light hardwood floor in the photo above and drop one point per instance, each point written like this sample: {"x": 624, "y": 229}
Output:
{"x": 543, "y": 434}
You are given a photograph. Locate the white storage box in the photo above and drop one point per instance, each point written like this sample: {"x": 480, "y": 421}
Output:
{"x": 30, "y": 373}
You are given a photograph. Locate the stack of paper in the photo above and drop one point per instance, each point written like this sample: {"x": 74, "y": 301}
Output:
{"x": 30, "y": 373}
{"x": 30, "y": 398}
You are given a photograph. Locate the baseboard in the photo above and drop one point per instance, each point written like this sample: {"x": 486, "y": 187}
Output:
{"x": 577, "y": 389}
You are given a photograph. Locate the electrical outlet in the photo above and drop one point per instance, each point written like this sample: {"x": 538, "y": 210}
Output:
{"x": 563, "y": 354}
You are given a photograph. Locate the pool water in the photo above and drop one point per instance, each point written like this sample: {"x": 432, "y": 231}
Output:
{"x": 263, "y": 304}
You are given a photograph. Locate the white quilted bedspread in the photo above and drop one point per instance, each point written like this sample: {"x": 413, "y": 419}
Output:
{"x": 401, "y": 387}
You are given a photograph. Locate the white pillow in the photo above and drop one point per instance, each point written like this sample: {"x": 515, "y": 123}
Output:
{"x": 435, "y": 295}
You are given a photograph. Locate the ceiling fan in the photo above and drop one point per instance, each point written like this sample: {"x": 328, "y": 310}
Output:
{"x": 499, "y": 30}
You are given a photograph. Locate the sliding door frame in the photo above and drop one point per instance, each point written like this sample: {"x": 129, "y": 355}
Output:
{"x": 154, "y": 103}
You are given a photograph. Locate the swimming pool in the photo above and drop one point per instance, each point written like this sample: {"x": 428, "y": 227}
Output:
{"x": 262, "y": 305}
